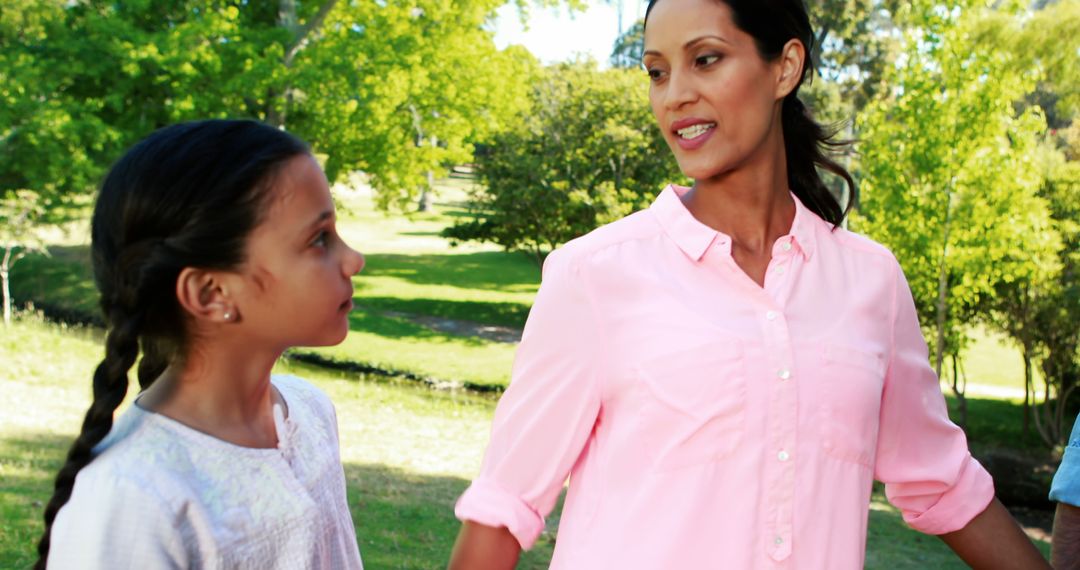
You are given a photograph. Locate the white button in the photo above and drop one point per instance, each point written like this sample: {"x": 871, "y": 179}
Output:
{"x": 783, "y": 374}
{"x": 786, "y": 246}
{"x": 780, "y": 270}
{"x": 771, "y": 315}
{"x": 779, "y": 540}
{"x": 783, "y": 456}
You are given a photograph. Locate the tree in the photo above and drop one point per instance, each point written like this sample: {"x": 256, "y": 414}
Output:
{"x": 947, "y": 178}
{"x": 629, "y": 47}
{"x": 20, "y": 213}
{"x": 586, "y": 153}
{"x": 1039, "y": 313}
{"x": 89, "y": 78}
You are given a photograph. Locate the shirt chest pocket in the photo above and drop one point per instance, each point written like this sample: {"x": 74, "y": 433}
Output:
{"x": 693, "y": 404}
{"x": 851, "y": 402}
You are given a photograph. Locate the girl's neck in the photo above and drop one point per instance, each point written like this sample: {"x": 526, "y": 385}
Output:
{"x": 219, "y": 394}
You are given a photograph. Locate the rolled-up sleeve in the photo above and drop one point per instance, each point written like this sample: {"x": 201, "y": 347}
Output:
{"x": 922, "y": 457}
{"x": 546, "y": 416}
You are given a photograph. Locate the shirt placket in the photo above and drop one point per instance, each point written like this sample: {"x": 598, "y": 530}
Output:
{"x": 782, "y": 452}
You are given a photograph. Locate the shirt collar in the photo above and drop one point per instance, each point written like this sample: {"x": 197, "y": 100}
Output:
{"x": 695, "y": 238}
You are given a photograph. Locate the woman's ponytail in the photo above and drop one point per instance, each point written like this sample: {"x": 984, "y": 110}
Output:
{"x": 808, "y": 145}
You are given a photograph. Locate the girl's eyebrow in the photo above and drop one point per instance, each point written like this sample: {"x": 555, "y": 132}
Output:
{"x": 691, "y": 43}
{"x": 325, "y": 215}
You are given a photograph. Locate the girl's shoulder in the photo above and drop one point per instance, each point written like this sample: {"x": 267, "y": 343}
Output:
{"x": 297, "y": 391}
{"x": 138, "y": 455}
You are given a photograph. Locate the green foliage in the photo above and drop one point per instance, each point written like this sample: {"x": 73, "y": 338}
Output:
{"x": 629, "y": 46}
{"x": 947, "y": 174}
{"x": 587, "y": 153}
{"x": 369, "y": 84}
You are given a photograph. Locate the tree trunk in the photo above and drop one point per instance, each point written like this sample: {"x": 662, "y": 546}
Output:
{"x": 7, "y": 297}
{"x": 961, "y": 394}
{"x": 426, "y": 195}
{"x": 1028, "y": 388}
{"x": 424, "y": 203}
{"x": 5, "y": 274}
{"x": 943, "y": 289}
{"x": 300, "y": 35}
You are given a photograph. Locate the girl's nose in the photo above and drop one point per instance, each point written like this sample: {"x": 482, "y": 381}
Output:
{"x": 354, "y": 262}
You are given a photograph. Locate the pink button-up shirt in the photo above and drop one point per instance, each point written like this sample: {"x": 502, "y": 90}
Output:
{"x": 708, "y": 422}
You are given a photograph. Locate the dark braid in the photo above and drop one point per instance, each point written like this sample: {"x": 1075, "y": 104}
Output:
{"x": 188, "y": 195}
{"x": 110, "y": 388}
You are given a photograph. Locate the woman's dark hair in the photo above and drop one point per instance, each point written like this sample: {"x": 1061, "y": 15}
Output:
{"x": 188, "y": 195}
{"x": 807, "y": 143}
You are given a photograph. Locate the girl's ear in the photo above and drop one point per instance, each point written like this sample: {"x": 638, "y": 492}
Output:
{"x": 204, "y": 295}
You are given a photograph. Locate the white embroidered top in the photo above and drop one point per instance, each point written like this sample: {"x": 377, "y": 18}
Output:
{"x": 163, "y": 495}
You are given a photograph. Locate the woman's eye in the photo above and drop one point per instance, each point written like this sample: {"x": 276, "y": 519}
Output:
{"x": 655, "y": 74}
{"x": 706, "y": 60}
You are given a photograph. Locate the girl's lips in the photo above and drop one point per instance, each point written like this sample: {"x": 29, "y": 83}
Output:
{"x": 696, "y": 142}
{"x": 347, "y": 305}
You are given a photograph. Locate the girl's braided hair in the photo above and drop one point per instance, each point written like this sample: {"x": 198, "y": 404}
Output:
{"x": 189, "y": 195}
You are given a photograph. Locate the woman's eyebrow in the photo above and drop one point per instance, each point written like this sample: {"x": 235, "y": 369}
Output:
{"x": 690, "y": 43}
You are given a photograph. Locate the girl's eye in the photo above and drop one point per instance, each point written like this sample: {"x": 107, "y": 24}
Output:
{"x": 706, "y": 60}
{"x": 321, "y": 239}
{"x": 654, "y": 74}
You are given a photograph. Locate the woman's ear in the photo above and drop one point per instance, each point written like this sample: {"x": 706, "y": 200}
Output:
{"x": 791, "y": 63}
{"x": 204, "y": 295}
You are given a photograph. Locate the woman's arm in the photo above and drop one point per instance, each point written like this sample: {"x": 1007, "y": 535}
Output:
{"x": 993, "y": 540}
{"x": 481, "y": 547}
{"x": 1065, "y": 549}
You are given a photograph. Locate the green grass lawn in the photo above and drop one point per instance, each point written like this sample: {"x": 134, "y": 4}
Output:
{"x": 412, "y": 271}
{"x": 408, "y": 453}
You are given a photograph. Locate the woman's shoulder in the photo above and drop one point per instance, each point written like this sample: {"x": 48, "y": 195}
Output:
{"x": 629, "y": 229}
{"x": 855, "y": 243}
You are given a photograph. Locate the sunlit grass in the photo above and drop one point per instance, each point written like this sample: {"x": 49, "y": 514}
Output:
{"x": 408, "y": 452}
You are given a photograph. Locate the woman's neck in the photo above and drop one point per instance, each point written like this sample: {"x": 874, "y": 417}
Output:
{"x": 751, "y": 203}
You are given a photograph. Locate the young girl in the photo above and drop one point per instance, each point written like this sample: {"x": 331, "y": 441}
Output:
{"x": 724, "y": 374}
{"x": 214, "y": 250}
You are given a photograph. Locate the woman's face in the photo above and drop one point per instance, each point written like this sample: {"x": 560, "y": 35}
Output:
{"x": 715, "y": 99}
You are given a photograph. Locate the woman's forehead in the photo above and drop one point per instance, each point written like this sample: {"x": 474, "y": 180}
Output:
{"x": 673, "y": 23}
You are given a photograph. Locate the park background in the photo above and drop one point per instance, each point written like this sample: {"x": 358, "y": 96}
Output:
{"x": 460, "y": 159}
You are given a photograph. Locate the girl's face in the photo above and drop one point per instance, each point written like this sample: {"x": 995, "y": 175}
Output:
{"x": 295, "y": 289}
{"x": 715, "y": 99}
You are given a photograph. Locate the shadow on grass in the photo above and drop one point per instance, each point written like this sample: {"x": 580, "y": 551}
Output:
{"x": 485, "y": 270}
{"x": 492, "y": 313}
{"x": 400, "y": 327}
{"x": 403, "y": 519}
{"x": 64, "y": 279}
{"x": 406, "y": 520}
{"x": 64, "y": 283}
{"x": 998, "y": 424}
{"x": 28, "y": 466}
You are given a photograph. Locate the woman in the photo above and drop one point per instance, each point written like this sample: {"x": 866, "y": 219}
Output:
{"x": 724, "y": 374}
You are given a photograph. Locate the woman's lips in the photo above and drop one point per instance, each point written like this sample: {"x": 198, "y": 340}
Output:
{"x": 696, "y": 142}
